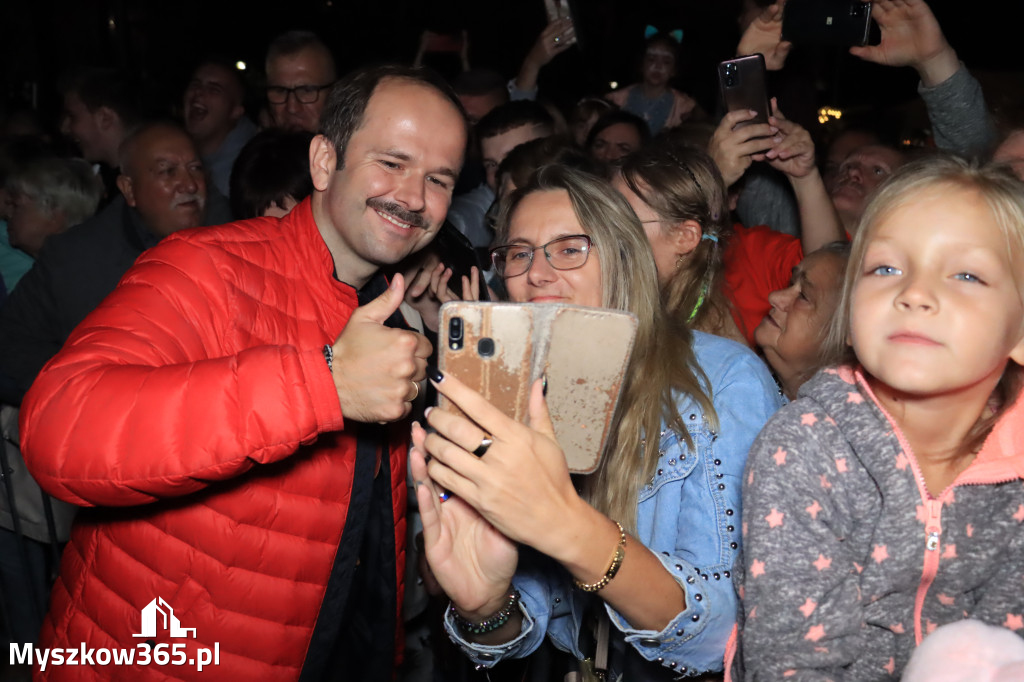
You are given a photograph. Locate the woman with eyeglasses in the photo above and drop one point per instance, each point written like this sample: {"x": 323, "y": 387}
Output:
{"x": 648, "y": 541}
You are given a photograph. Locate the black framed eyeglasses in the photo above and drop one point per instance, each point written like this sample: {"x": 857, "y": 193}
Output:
{"x": 307, "y": 94}
{"x": 565, "y": 253}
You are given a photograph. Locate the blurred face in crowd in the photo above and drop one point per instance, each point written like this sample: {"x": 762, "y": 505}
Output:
{"x": 1011, "y": 151}
{"x": 859, "y": 174}
{"x": 478, "y": 106}
{"x": 163, "y": 179}
{"x": 615, "y": 142}
{"x": 791, "y": 334}
{"x": 672, "y": 241}
{"x": 495, "y": 149}
{"x": 659, "y": 65}
{"x": 390, "y": 194}
{"x": 310, "y": 69}
{"x": 213, "y": 105}
{"x": 29, "y": 224}
{"x": 92, "y": 131}
{"x": 841, "y": 147}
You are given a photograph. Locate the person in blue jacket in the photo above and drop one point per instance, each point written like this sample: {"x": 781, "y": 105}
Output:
{"x": 652, "y": 535}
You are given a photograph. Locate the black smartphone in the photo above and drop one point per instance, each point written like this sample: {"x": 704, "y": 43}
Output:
{"x": 743, "y": 85}
{"x": 457, "y": 253}
{"x": 827, "y": 22}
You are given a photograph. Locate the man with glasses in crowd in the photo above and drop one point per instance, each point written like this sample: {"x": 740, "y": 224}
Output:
{"x": 300, "y": 69}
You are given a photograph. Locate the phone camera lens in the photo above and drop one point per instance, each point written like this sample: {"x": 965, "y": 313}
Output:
{"x": 730, "y": 81}
{"x": 455, "y": 333}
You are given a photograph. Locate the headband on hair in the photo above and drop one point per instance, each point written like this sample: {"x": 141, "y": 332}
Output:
{"x": 676, "y": 35}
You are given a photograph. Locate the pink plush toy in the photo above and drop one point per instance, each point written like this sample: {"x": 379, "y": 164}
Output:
{"x": 968, "y": 651}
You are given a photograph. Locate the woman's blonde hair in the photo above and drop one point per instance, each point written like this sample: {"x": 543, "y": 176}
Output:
{"x": 682, "y": 183}
{"x": 663, "y": 361}
{"x": 1003, "y": 194}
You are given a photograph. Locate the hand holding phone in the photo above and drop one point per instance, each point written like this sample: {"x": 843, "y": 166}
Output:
{"x": 500, "y": 349}
{"x": 743, "y": 84}
{"x": 910, "y": 35}
{"x": 733, "y": 146}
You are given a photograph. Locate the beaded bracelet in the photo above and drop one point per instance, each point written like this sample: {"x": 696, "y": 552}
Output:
{"x": 329, "y": 357}
{"x": 613, "y": 568}
{"x": 492, "y": 622}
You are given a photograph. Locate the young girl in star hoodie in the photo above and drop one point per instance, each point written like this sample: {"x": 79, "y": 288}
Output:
{"x": 888, "y": 499}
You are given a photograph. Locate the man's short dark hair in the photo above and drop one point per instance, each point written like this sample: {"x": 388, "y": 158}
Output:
{"x": 273, "y": 165}
{"x": 615, "y": 117}
{"x": 515, "y": 115}
{"x": 347, "y": 100}
{"x": 227, "y": 66}
{"x": 117, "y": 89}
{"x": 293, "y": 42}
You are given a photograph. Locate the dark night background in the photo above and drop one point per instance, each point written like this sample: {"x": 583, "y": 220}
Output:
{"x": 164, "y": 39}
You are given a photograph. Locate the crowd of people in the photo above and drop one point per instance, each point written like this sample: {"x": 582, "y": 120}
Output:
{"x": 218, "y": 352}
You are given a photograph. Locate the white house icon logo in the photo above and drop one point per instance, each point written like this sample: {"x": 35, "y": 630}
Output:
{"x": 169, "y": 620}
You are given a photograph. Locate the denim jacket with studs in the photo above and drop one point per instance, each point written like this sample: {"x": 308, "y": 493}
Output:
{"x": 688, "y": 515}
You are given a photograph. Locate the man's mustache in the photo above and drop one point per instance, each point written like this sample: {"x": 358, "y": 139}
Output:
{"x": 391, "y": 208}
{"x": 180, "y": 199}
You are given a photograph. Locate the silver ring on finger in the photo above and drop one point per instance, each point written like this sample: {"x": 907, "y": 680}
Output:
{"x": 485, "y": 443}
{"x": 558, "y": 39}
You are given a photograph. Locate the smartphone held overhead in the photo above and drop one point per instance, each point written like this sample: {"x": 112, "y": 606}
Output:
{"x": 843, "y": 23}
{"x": 500, "y": 349}
{"x": 742, "y": 82}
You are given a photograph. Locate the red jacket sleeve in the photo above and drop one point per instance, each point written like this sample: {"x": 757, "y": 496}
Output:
{"x": 159, "y": 392}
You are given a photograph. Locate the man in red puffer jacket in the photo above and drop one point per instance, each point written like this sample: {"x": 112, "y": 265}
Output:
{"x": 232, "y": 418}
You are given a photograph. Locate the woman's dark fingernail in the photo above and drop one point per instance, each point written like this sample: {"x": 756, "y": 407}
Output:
{"x": 434, "y": 374}
{"x": 544, "y": 380}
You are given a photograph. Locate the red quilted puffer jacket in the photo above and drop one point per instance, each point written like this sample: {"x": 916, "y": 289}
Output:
{"x": 195, "y": 410}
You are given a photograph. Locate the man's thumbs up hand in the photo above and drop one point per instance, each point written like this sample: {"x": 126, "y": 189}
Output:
{"x": 377, "y": 369}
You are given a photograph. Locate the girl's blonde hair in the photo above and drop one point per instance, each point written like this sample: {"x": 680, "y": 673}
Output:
{"x": 682, "y": 183}
{"x": 663, "y": 361}
{"x": 1003, "y": 194}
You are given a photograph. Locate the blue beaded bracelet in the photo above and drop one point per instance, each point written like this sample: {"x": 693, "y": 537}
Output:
{"x": 492, "y": 622}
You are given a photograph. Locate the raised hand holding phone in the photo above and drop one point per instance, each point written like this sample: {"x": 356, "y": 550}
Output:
{"x": 469, "y": 558}
{"x": 911, "y": 36}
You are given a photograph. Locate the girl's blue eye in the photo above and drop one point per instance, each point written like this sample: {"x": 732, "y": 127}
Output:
{"x": 885, "y": 270}
{"x": 968, "y": 277}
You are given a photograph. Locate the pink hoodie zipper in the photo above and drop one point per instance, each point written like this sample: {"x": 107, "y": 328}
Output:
{"x": 933, "y": 522}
